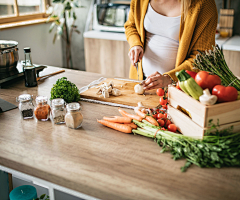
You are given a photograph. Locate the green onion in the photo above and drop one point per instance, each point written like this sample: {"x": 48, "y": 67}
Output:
{"x": 218, "y": 149}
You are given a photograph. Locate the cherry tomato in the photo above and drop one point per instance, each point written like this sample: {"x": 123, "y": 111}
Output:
{"x": 160, "y": 115}
{"x": 163, "y": 101}
{"x": 172, "y": 128}
{"x": 168, "y": 122}
{"x": 161, "y": 122}
{"x": 178, "y": 86}
{"x": 155, "y": 116}
{"x": 160, "y": 92}
{"x": 164, "y": 106}
{"x": 163, "y": 129}
{"x": 165, "y": 115}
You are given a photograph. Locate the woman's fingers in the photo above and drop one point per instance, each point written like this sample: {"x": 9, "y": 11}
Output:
{"x": 135, "y": 54}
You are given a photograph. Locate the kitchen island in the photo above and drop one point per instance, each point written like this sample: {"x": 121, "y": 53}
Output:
{"x": 98, "y": 161}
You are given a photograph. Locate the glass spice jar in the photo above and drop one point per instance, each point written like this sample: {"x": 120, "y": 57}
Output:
{"x": 42, "y": 108}
{"x": 26, "y": 106}
{"x": 58, "y": 111}
{"x": 73, "y": 118}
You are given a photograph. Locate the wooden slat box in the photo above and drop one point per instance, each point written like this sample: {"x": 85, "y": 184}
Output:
{"x": 227, "y": 114}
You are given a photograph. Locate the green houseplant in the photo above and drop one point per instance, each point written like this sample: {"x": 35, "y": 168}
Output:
{"x": 64, "y": 15}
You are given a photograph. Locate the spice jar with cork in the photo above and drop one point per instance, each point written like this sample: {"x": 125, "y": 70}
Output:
{"x": 42, "y": 108}
{"x": 58, "y": 111}
{"x": 25, "y": 106}
{"x": 73, "y": 118}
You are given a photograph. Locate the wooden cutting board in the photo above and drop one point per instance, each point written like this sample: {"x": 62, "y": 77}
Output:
{"x": 127, "y": 97}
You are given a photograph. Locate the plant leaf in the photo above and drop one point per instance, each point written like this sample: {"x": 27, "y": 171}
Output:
{"x": 68, "y": 6}
{"x": 51, "y": 27}
{"x": 56, "y": 1}
{"x": 42, "y": 196}
{"x": 74, "y": 16}
{"x": 54, "y": 38}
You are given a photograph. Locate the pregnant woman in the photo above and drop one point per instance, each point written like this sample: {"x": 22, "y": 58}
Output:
{"x": 164, "y": 35}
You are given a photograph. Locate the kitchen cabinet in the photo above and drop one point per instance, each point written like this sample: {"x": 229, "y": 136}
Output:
{"x": 107, "y": 53}
{"x": 231, "y": 51}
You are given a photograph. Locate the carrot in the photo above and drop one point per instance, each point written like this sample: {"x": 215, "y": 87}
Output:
{"x": 118, "y": 119}
{"x": 152, "y": 120}
{"x": 125, "y": 114}
{"x": 141, "y": 114}
{"x": 134, "y": 126}
{"x": 119, "y": 127}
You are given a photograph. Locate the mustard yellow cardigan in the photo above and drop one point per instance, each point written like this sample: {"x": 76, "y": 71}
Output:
{"x": 197, "y": 32}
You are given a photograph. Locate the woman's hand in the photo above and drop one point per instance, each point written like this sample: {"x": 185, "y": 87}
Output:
{"x": 156, "y": 80}
{"x": 135, "y": 54}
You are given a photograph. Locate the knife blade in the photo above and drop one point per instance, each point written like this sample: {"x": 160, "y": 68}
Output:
{"x": 136, "y": 65}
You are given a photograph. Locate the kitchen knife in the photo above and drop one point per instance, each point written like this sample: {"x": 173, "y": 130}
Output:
{"x": 136, "y": 65}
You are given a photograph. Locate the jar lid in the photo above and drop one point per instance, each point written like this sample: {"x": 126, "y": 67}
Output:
{"x": 58, "y": 102}
{"x": 41, "y": 99}
{"x": 24, "y": 98}
{"x": 73, "y": 106}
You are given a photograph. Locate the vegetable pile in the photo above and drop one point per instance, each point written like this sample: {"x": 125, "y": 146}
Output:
{"x": 213, "y": 61}
{"x": 219, "y": 149}
{"x": 66, "y": 90}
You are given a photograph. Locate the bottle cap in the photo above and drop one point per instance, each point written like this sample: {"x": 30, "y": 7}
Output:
{"x": 27, "y": 50}
{"x": 58, "y": 102}
{"x": 41, "y": 99}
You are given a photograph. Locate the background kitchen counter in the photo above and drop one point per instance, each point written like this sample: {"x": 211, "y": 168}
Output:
{"x": 99, "y": 161}
{"x": 110, "y": 53}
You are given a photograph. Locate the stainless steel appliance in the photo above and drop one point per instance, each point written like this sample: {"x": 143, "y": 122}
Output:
{"x": 8, "y": 58}
{"x": 110, "y": 17}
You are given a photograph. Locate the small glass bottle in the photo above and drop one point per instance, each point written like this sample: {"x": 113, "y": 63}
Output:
{"x": 42, "y": 108}
{"x": 29, "y": 69}
{"x": 73, "y": 118}
{"x": 58, "y": 111}
{"x": 26, "y": 106}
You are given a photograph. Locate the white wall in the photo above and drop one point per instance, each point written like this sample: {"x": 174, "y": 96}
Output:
{"x": 40, "y": 40}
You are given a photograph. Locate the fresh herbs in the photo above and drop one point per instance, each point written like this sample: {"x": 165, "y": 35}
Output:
{"x": 218, "y": 149}
{"x": 213, "y": 61}
{"x": 66, "y": 90}
{"x": 43, "y": 197}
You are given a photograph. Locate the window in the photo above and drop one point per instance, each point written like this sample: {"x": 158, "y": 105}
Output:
{"x": 21, "y": 10}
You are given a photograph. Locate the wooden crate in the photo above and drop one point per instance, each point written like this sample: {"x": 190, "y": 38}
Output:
{"x": 228, "y": 114}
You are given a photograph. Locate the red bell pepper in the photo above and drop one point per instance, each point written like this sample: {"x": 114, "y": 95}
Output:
{"x": 191, "y": 73}
{"x": 206, "y": 80}
{"x": 225, "y": 94}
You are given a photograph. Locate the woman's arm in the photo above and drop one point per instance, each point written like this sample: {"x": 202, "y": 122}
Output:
{"x": 132, "y": 26}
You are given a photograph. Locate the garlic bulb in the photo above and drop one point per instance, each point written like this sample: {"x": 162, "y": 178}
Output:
{"x": 207, "y": 98}
{"x": 138, "y": 89}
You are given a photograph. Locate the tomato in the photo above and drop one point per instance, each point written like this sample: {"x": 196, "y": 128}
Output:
{"x": 160, "y": 92}
{"x": 163, "y": 101}
{"x": 172, "y": 128}
{"x": 161, "y": 122}
{"x": 160, "y": 115}
{"x": 164, "y": 106}
{"x": 178, "y": 86}
{"x": 168, "y": 122}
{"x": 205, "y": 80}
{"x": 155, "y": 116}
{"x": 225, "y": 94}
{"x": 165, "y": 115}
{"x": 191, "y": 73}
{"x": 163, "y": 129}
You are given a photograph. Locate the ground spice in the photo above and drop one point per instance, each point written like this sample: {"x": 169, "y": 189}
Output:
{"x": 42, "y": 111}
{"x": 27, "y": 113}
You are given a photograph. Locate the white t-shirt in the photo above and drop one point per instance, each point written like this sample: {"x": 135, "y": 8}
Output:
{"x": 162, "y": 41}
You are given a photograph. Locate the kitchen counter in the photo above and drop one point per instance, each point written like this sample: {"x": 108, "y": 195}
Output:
{"x": 99, "y": 161}
{"x": 233, "y": 44}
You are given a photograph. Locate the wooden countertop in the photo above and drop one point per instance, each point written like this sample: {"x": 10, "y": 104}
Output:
{"x": 98, "y": 161}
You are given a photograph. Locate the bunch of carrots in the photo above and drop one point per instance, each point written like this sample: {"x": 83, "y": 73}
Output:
{"x": 124, "y": 123}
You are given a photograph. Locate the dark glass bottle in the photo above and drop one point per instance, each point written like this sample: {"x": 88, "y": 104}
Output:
{"x": 29, "y": 69}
